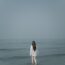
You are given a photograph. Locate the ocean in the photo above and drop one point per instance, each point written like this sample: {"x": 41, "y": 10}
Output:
{"x": 17, "y": 51}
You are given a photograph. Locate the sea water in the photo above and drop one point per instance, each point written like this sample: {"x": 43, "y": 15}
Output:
{"x": 17, "y": 51}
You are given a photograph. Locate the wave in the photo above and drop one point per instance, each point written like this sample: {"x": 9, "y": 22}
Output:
{"x": 12, "y": 49}
{"x": 13, "y": 57}
{"x": 27, "y": 57}
{"x": 52, "y": 55}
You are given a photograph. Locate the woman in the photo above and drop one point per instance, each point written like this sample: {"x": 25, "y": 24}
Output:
{"x": 33, "y": 52}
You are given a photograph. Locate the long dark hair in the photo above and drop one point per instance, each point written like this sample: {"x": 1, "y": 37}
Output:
{"x": 34, "y": 45}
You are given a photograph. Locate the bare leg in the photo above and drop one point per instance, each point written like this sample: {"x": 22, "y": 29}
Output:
{"x": 32, "y": 59}
{"x": 35, "y": 60}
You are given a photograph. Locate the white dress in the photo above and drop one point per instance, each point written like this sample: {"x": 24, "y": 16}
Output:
{"x": 32, "y": 52}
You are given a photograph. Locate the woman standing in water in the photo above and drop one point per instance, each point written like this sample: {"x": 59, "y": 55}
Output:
{"x": 33, "y": 52}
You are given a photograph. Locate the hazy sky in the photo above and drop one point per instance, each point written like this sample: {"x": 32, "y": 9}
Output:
{"x": 32, "y": 19}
